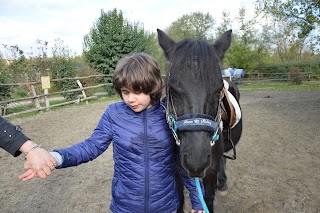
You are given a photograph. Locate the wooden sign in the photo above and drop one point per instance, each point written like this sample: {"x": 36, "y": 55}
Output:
{"x": 45, "y": 82}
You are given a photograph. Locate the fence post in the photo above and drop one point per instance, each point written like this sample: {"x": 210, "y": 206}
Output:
{"x": 82, "y": 91}
{"x": 36, "y": 100}
{"x": 46, "y": 85}
{"x": 4, "y": 109}
{"x": 46, "y": 98}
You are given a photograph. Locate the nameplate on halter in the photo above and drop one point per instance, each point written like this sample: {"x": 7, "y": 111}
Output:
{"x": 197, "y": 121}
{"x": 200, "y": 124}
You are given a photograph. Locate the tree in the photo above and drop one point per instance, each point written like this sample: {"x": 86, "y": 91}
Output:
{"x": 111, "y": 37}
{"x": 194, "y": 25}
{"x": 245, "y": 52}
{"x": 225, "y": 24}
{"x": 303, "y": 13}
{"x": 242, "y": 56}
{"x": 5, "y": 78}
{"x": 62, "y": 66}
{"x": 247, "y": 31}
{"x": 292, "y": 26}
{"x": 156, "y": 52}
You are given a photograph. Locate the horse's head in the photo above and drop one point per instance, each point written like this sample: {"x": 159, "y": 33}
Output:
{"x": 194, "y": 84}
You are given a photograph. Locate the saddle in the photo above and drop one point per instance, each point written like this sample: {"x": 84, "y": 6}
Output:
{"x": 231, "y": 113}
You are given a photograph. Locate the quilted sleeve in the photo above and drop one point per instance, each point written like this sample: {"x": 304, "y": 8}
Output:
{"x": 189, "y": 183}
{"x": 90, "y": 148}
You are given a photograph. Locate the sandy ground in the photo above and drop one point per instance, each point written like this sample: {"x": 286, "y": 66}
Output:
{"x": 277, "y": 169}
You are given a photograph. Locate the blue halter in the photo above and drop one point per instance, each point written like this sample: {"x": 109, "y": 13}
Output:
{"x": 194, "y": 122}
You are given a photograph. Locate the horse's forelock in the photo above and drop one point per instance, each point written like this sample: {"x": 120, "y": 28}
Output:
{"x": 195, "y": 56}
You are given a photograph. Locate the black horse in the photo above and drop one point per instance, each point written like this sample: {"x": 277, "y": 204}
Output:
{"x": 199, "y": 110}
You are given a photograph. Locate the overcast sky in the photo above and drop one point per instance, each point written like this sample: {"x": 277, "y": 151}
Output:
{"x": 22, "y": 22}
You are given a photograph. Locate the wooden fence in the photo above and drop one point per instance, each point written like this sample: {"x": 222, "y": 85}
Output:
{"x": 35, "y": 98}
{"x": 253, "y": 77}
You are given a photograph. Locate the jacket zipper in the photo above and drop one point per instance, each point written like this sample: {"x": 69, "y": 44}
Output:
{"x": 146, "y": 160}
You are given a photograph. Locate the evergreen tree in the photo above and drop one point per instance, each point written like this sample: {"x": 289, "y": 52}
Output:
{"x": 112, "y": 37}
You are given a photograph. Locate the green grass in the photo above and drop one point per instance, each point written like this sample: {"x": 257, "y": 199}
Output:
{"x": 21, "y": 108}
{"x": 307, "y": 85}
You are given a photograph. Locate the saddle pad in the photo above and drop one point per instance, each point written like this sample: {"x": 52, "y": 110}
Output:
{"x": 234, "y": 106}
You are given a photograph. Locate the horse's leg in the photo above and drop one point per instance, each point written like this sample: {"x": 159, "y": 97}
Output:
{"x": 210, "y": 186}
{"x": 181, "y": 195}
{"x": 222, "y": 177}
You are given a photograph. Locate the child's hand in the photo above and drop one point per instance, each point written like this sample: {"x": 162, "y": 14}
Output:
{"x": 199, "y": 211}
{"x": 28, "y": 175}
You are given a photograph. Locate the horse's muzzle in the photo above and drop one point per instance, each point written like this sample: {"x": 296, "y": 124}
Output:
{"x": 195, "y": 167}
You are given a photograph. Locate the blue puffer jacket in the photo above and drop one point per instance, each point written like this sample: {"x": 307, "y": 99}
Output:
{"x": 144, "y": 159}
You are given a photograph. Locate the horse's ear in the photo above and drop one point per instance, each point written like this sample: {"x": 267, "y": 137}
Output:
{"x": 223, "y": 43}
{"x": 165, "y": 42}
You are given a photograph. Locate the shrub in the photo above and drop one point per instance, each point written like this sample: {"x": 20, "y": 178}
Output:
{"x": 294, "y": 75}
{"x": 5, "y": 78}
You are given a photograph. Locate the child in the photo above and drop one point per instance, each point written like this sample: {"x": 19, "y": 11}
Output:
{"x": 145, "y": 164}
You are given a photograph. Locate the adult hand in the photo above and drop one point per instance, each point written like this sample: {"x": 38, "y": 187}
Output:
{"x": 39, "y": 162}
{"x": 199, "y": 211}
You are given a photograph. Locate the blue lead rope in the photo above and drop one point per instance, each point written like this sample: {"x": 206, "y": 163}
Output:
{"x": 203, "y": 203}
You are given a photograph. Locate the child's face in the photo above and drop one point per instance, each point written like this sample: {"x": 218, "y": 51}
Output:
{"x": 137, "y": 101}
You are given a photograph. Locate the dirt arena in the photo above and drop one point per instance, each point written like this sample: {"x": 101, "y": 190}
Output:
{"x": 277, "y": 167}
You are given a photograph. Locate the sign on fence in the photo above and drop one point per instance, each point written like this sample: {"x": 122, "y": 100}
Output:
{"x": 45, "y": 82}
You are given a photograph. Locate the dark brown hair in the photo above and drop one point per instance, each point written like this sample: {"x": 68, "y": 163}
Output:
{"x": 138, "y": 72}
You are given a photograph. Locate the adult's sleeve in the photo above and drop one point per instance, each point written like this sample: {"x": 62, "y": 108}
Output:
{"x": 11, "y": 137}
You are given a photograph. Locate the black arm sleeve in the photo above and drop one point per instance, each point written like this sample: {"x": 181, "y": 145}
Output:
{"x": 11, "y": 137}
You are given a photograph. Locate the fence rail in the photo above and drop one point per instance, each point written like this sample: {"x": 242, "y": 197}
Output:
{"x": 35, "y": 98}
{"x": 252, "y": 77}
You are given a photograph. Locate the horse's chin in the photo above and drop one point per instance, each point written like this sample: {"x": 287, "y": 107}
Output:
{"x": 199, "y": 175}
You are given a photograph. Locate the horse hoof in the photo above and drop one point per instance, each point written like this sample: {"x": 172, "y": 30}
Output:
{"x": 223, "y": 191}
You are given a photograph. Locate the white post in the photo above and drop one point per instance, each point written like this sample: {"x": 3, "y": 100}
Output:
{"x": 83, "y": 92}
{"x": 46, "y": 98}
{"x": 36, "y": 100}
